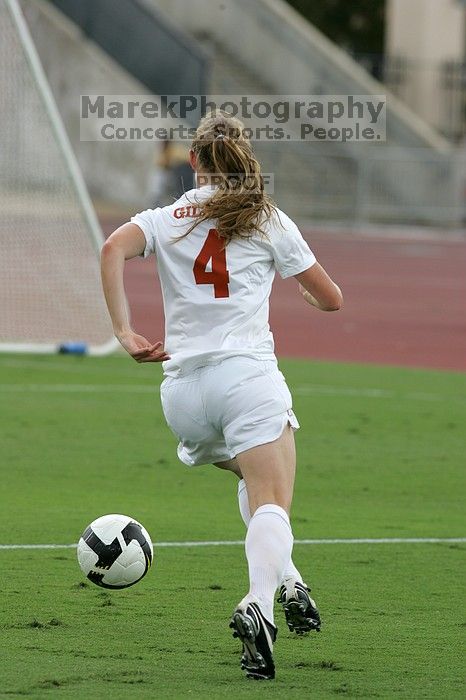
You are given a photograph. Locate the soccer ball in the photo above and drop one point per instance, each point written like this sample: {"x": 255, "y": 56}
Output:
{"x": 115, "y": 551}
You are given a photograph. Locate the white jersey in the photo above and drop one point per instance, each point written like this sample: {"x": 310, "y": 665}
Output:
{"x": 216, "y": 301}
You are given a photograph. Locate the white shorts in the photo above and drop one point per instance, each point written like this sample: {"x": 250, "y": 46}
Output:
{"x": 218, "y": 411}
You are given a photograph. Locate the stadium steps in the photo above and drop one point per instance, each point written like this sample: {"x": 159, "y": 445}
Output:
{"x": 266, "y": 47}
{"x": 412, "y": 178}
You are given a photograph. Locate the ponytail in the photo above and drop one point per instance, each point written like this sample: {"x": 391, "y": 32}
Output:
{"x": 239, "y": 204}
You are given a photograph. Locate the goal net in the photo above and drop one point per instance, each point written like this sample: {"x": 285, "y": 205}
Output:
{"x": 49, "y": 235}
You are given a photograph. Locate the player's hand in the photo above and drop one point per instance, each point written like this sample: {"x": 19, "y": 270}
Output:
{"x": 141, "y": 349}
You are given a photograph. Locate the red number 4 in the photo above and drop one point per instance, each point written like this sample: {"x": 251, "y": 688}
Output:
{"x": 213, "y": 249}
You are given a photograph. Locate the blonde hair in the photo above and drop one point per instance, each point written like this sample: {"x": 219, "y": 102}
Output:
{"x": 239, "y": 204}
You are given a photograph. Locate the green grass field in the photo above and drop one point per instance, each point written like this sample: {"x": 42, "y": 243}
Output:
{"x": 381, "y": 454}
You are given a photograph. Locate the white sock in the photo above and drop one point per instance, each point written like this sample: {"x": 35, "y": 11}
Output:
{"x": 269, "y": 542}
{"x": 290, "y": 570}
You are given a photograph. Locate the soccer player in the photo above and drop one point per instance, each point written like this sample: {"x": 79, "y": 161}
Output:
{"x": 217, "y": 250}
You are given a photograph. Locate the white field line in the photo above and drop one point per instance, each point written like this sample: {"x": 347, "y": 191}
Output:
{"x": 78, "y": 388}
{"x": 74, "y": 368}
{"x": 227, "y": 543}
{"x": 322, "y": 390}
{"x": 300, "y": 390}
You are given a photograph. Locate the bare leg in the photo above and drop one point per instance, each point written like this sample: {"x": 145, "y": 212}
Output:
{"x": 230, "y": 465}
{"x": 286, "y": 445}
{"x": 269, "y": 472}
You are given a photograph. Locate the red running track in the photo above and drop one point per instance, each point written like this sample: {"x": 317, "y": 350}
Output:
{"x": 404, "y": 302}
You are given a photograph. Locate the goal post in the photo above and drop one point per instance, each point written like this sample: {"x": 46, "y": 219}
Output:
{"x": 49, "y": 234}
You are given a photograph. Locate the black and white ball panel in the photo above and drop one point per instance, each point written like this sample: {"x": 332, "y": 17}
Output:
{"x": 115, "y": 551}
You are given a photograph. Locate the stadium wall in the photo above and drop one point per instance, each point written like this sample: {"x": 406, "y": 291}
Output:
{"x": 304, "y": 60}
{"x": 412, "y": 178}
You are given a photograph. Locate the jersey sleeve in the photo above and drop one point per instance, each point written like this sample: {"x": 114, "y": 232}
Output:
{"x": 148, "y": 223}
{"x": 291, "y": 254}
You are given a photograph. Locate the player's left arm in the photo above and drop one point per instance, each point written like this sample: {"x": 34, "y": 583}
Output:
{"x": 319, "y": 289}
{"x": 125, "y": 243}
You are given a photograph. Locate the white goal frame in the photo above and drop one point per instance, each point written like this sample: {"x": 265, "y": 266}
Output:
{"x": 71, "y": 165}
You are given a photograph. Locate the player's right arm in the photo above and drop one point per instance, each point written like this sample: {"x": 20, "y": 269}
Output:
{"x": 125, "y": 243}
{"x": 319, "y": 289}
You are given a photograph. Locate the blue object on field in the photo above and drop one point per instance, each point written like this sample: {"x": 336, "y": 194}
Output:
{"x": 73, "y": 348}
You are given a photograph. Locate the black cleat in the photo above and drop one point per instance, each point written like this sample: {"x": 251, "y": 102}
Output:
{"x": 300, "y": 610}
{"x": 257, "y": 635}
